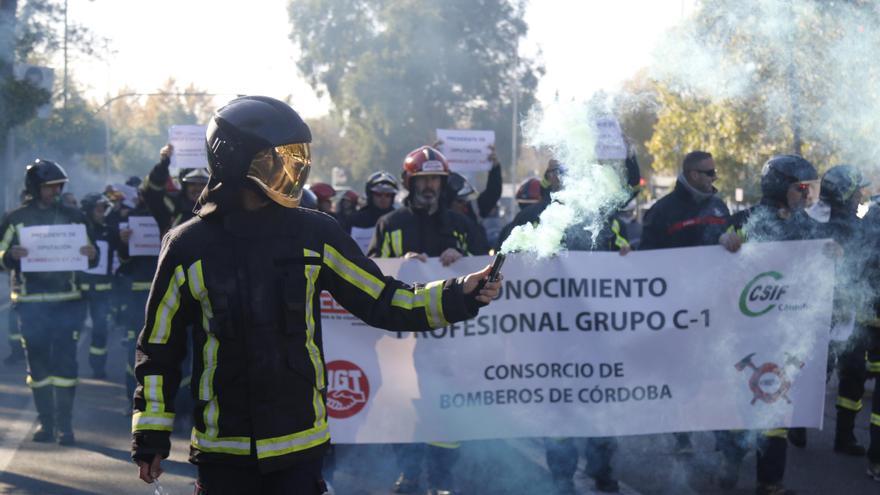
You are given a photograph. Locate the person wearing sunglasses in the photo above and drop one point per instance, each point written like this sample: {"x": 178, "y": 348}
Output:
{"x": 789, "y": 184}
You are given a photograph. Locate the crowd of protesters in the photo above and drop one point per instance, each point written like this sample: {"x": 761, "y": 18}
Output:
{"x": 443, "y": 215}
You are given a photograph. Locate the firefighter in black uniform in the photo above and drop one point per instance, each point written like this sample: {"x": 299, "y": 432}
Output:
{"x": 49, "y": 304}
{"x": 424, "y": 227}
{"x": 133, "y": 281}
{"x": 171, "y": 209}
{"x": 247, "y": 274}
{"x": 97, "y": 288}
{"x": 380, "y": 189}
{"x": 871, "y": 319}
{"x": 841, "y": 189}
{"x": 788, "y": 184}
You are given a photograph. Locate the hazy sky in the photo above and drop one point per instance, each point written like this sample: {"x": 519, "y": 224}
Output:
{"x": 227, "y": 46}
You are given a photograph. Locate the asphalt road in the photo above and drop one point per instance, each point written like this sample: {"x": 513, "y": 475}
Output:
{"x": 99, "y": 463}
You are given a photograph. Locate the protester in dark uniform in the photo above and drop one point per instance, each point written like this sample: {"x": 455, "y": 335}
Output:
{"x": 550, "y": 183}
{"x": 788, "y": 183}
{"x": 247, "y": 273}
{"x": 48, "y": 304}
{"x": 841, "y": 190}
{"x": 346, "y": 206}
{"x": 380, "y": 190}
{"x": 16, "y": 351}
{"x": 460, "y": 190}
{"x": 871, "y": 324}
{"x": 691, "y": 215}
{"x": 424, "y": 227}
{"x": 133, "y": 281}
{"x": 561, "y": 453}
{"x": 172, "y": 208}
{"x": 97, "y": 288}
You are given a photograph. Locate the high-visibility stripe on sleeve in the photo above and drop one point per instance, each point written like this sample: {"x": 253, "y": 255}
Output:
{"x": 168, "y": 307}
{"x": 296, "y": 442}
{"x": 153, "y": 394}
{"x": 6, "y": 243}
{"x": 211, "y": 416}
{"x": 875, "y": 419}
{"x": 221, "y": 445}
{"x": 434, "y": 306}
{"x": 776, "y": 433}
{"x": 352, "y": 273}
{"x": 408, "y": 300}
{"x": 152, "y": 421}
{"x": 874, "y": 366}
{"x": 199, "y": 292}
{"x": 311, "y": 273}
{"x": 209, "y": 358}
{"x": 852, "y": 405}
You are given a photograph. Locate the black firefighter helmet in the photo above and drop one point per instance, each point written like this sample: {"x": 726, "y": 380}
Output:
{"x": 262, "y": 140}
{"x": 840, "y": 183}
{"x": 41, "y": 173}
{"x": 782, "y": 171}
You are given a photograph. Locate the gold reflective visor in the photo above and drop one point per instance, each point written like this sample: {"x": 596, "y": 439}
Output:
{"x": 281, "y": 172}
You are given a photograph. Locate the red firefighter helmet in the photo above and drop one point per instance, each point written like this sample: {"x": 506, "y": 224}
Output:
{"x": 529, "y": 191}
{"x": 323, "y": 190}
{"x": 424, "y": 161}
{"x": 352, "y": 196}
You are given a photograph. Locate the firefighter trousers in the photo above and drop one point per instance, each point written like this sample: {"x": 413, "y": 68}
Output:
{"x": 50, "y": 331}
{"x": 873, "y": 365}
{"x": 133, "y": 321}
{"x": 562, "y": 457}
{"x": 440, "y": 462}
{"x": 772, "y": 451}
{"x": 100, "y": 304}
{"x": 853, "y": 365}
{"x": 303, "y": 478}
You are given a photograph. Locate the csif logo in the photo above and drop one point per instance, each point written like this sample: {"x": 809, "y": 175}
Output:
{"x": 762, "y": 294}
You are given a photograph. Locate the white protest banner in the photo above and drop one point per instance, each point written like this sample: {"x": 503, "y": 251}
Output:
{"x": 610, "y": 144}
{"x": 467, "y": 151}
{"x": 362, "y": 237}
{"x": 145, "y": 239}
{"x": 103, "y": 257}
{"x": 596, "y": 344}
{"x": 53, "y": 248}
{"x": 189, "y": 146}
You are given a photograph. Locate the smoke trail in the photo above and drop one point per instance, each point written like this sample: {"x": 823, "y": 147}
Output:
{"x": 590, "y": 189}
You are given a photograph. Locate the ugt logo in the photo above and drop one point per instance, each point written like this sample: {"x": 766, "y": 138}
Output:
{"x": 769, "y": 381}
{"x": 762, "y": 294}
{"x": 348, "y": 389}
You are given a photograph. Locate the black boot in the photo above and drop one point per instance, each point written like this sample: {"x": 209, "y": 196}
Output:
{"x": 98, "y": 362}
{"x": 844, "y": 440}
{"x": 45, "y": 404}
{"x": 64, "y": 414}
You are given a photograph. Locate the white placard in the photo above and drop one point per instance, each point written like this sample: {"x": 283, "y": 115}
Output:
{"x": 145, "y": 239}
{"x": 596, "y": 344}
{"x": 363, "y": 237}
{"x": 610, "y": 144}
{"x": 189, "y": 146}
{"x": 103, "y": 256}
{"x": 54, "y": 248}
{"x": 466, "y": 150}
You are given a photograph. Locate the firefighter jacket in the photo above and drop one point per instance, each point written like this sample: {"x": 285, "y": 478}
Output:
{"x": 684, "y": 218}
{"x": 767, "y": 222}
{"x": 104, "y": 239}
{"x": 168, "y": 208}
{"x": 135, "y": 273}
{"x": 39, "y": 286}
{"x": 366, "y": 217}
{"x": 611, "y": 237}
{"x": 528, "y": 215}
{"x": 414, "y": 230}
{"x": 249, "y": 284}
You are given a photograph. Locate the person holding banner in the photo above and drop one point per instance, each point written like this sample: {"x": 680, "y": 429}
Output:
{"x": 789, "y": 184}
{"x": 43, "y": 245}
{"x": 247, "y": 274}
{"x": 172, "y": 208}
{"x": 424, "y": 227}
{"x": 97, "y": 283}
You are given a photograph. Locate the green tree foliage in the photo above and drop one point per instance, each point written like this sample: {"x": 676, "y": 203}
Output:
{"x": 396, "y": 71}
{"x": 746, "y": 80}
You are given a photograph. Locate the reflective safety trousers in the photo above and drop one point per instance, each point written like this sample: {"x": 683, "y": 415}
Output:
{"x": 249, "y": 285}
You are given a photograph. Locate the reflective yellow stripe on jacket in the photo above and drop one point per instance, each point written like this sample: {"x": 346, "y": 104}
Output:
{"x": 311, "y": 273}
{"x": 296, "y": 442}
{"x": 154, "y": 416}
{"x": 352, "y": 273}
{"x": 168, "y": 307}
{"x": 430, "y": 297}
